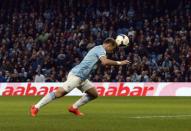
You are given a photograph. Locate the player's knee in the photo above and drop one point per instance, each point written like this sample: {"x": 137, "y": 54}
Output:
{"x": 60, "y": 92}
{"x": 92, "y": 92}
{"x": 95, "y": 95}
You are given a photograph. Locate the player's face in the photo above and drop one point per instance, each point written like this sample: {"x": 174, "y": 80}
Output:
{"x": 110, "y": 48}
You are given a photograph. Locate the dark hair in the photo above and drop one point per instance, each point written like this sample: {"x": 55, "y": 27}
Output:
{"x": 110, "y": 41}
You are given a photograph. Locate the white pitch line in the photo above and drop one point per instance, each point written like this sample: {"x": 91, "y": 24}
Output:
{"x": 167, "y": 116}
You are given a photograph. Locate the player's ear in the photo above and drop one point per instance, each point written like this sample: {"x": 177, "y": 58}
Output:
{"x": 115, "y": 48}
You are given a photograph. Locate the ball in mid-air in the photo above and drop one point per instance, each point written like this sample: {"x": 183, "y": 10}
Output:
{"x": 122, "y": 40}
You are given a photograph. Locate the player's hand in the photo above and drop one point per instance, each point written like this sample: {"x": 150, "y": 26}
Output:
{"x": 124, "y": 62}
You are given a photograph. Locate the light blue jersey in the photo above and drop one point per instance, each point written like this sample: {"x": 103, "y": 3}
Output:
{"x": 89, "y": 62}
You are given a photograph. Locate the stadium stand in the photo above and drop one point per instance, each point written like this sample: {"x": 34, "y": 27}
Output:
{"x": 49, "y": 37}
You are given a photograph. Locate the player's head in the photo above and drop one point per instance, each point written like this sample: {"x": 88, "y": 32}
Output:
{"x": 109, "y": 45}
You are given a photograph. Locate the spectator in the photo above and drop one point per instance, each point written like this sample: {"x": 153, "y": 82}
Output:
{"x": 55, "y": 38}
{"x": 39, "y": 77}
{"x": 2, "y": 78}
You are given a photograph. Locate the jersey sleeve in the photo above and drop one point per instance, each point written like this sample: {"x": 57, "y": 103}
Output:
{"x": 100, "y": 52}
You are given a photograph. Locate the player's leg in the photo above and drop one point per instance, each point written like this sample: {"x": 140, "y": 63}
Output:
{"x": 90, "y": 94}
{"x": 69, "y": 85}
{"x": 51, "y": 96}
{"x": 47, "y": 99}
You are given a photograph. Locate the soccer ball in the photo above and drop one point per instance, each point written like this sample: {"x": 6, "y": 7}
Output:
{"x": 122, "y": 40}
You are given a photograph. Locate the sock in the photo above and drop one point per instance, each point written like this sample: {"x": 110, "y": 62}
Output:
{"x": 83, "y": 100}
{"x": 45, "y": 100}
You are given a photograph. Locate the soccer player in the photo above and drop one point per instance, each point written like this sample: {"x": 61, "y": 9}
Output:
{"x": 78, "y": 78}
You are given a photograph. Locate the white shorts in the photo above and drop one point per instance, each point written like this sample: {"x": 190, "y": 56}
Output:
{"x": 75, "y": 82}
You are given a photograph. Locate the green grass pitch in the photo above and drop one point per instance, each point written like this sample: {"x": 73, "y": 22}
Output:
{"x": 103, "y": 114}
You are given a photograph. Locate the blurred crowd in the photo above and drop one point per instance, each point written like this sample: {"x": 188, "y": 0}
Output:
{"x": 41, "y": 40}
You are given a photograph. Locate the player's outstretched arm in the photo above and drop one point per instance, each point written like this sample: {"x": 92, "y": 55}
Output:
{"x": 106, "y": 61}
